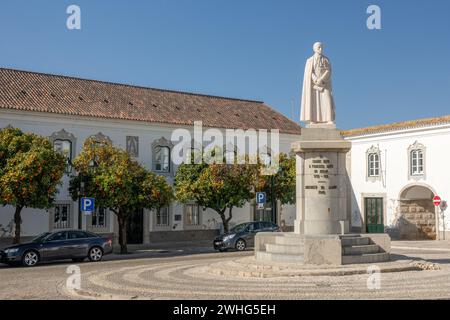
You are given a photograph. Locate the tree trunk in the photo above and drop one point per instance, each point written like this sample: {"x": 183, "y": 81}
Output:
{"x": 17, "y": 222}
{"x": 230, "y": 215}
{"x": 122, "y": 234}
{"x": 224, "y": 220}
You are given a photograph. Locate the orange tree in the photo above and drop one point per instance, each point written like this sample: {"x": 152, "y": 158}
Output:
{"x": 280, "y": 185}
{"x": 118, "y": 182}
{"x": 30, "y": 172}
{"x": 220, "y": 187}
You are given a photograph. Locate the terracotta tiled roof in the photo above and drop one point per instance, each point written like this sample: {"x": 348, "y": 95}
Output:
{"x": 23, "y": 90}
{"x": 397, "y": 126}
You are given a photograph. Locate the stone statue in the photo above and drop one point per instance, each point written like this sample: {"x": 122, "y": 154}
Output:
{"x": 317, "y": 97}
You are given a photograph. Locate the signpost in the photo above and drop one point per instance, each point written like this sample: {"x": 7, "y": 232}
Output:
{"x": 443, "y": 206}
{"x": 87, "y": 205}
{"x": 437, "y": 201}
{"x": 261, "y": 199}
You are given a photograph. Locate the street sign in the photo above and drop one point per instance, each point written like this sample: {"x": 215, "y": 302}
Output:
{"x": 443, "y": 205}
{"x": 260, "y": 197}
{"x": 437, "y": 201}
{"x": 87, "y": 205}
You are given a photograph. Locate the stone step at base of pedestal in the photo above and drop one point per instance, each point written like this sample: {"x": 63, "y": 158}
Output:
{"x": 355, "y": 241}
{"x": 289, "y": 240}
{"x": 285, "y": 249}
{"x": 366, "y": 258}
{"x": 358, "y": 250}
{"x": 279, "y": 257}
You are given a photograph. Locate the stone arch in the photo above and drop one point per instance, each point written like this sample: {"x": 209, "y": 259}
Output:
{"x": 416, "y": 213}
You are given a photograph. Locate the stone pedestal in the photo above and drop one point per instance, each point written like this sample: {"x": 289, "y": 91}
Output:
{"x": 322, "y": 220}
{"x": 322, "y": 182}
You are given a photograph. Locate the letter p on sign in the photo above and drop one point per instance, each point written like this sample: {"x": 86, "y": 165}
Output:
{"x": 260, "y": 197}
{"x": 87, "y": 205}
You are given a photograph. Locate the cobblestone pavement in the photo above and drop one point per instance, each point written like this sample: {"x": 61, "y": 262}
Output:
{"x": 188, "y": 277}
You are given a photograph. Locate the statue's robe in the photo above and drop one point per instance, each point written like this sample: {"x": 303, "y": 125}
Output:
{"x": 317, "y": 102}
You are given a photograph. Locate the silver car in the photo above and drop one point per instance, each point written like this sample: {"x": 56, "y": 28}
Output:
{"x": 242, "y": 236}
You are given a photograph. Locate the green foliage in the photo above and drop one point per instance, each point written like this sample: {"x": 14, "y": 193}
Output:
{"x": 118, "y": 182}
{"x": 220, "y": 187}
{"x": 30, "y": 172}
{"x": 283, "y": 181}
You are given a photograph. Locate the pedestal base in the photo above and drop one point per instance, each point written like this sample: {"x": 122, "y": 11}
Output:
{"x": 322, "y": 249}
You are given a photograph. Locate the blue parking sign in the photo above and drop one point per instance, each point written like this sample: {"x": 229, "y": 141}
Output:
{"x": 260, "y": 197}
{"x": 87, "y": 205}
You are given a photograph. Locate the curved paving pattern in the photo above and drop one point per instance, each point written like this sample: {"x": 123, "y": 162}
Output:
{"x": 199, "y": 279}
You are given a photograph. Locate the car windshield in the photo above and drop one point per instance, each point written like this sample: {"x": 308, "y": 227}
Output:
{"x": 240, "y": 227}
{"x": 40, "y": 237}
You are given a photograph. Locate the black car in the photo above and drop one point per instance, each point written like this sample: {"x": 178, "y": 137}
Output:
{"x": 59, "y": 245}
{"x": 242, "y": 236}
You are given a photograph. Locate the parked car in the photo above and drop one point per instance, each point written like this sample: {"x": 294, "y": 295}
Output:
{"x": 59, "y": 245}
{"x": 242, "y": 236}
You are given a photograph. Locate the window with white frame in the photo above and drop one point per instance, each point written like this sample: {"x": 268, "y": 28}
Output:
{"x": 99, "y": 218}
{"x": 65, "y": 148}
{"x": 61, "y": 216}
{"x": 416, "y": 162}
{"x": 162, "y": 159}
{"x": 64, "y": 143}
{"x": 192, "y": 214}
{"x": 374, "y": 164}
{"x": 162, "y": 217}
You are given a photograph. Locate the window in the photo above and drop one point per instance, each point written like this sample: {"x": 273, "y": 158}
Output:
{"x": 162, "y": 159}
{"x": 230, "y": 157}
{"x": 59, "y": 236}
{"x": 101, "y": 139}
{"x": 416, "y": 162}
{"x": 65, "y": 148}
{"x": 133, "y": 146}
{"x": 192, "y": 214}
{"x": 78, "y": 235}
{"x": 99, "y": 218}
{"x": 62, "y": 216}
{"x": 64, "y": 143}
{"x": 374, "y": 164}
{"x": 162, "y": 217}
{"x": 161, "y": 156}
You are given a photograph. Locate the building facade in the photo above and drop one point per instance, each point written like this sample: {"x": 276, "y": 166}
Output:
{"x": 141, "y": 121}
{"x": 395, "y": 171}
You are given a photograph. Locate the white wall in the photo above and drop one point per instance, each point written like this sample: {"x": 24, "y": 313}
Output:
{"x": 394, "y": 158}
{"x": 117, "y": 130}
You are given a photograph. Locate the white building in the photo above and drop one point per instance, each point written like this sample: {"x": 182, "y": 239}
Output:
{"x": 395, "y": 171}
{"x": 140, "y": 120}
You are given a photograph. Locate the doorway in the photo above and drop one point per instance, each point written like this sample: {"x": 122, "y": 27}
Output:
{"x": 373, "y": 208}
{"x": 135, "y": 228}
{"x": 417, "y": 213}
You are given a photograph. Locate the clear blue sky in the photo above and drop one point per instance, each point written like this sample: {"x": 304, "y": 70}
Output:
{"x": 253, "y": 49}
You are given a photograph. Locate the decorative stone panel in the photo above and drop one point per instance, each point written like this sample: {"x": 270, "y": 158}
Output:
{"x": 417, "y": 220}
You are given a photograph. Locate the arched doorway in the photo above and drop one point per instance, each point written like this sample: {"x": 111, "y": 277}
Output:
{"x": 417, "y": 216}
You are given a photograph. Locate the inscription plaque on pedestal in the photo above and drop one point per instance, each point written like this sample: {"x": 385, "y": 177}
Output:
{"x": 320, "y": 176}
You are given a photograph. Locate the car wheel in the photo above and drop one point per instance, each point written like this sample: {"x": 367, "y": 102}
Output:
{"x": 95, "y": 254}
{"x": 30, "y": 258}
{"x": 78, "y": 259}
{"x": 241, "y": 245}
